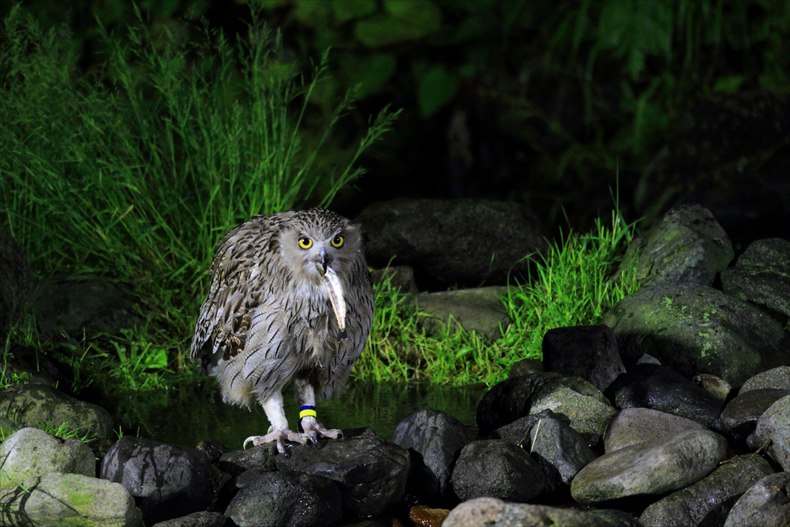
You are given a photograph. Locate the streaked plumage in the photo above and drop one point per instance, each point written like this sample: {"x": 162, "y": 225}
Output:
{"x": 270, "y": 318}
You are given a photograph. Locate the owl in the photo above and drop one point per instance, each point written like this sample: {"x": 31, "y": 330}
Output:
{"x": 290, "y": 304}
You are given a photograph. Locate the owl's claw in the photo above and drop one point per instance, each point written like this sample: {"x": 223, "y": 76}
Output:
{"x": 279, "y": 438}
{"x": 314, "y": 430}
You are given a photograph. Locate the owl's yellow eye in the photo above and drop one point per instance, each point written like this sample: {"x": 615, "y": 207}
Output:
{"x": 305, "y": 242}
{"x": 337, "y": 241}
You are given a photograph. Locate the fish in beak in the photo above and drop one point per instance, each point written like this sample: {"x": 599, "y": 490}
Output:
{"x": 335, "y": 291}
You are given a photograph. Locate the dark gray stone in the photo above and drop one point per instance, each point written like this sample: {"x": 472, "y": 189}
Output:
{"x": 687, "y": 245}
{"x": 499, "y": 469}
{"x": 196, "y": 519}
{"x": 650, "y": 468}
{"x": 660, "y": 388}
{"x": 452, "y": 242}
{"x": 589, "y": 352}
{"x": 741, "y": 414}
{"x": 773, "y": 431}
{"x": 708, "y": 500}
{"x": 697, "y": 329}
{"x": 480, "y": 310}
{"x": 556, "y": 444}
{"x": 278, "y": 499}
{"x": 74, "y": 306}
{"x": 372, "y": 473}
{"x": 167, "y": 481}
{"x": 436, "y": 438}
{"x": 633, "y": 426}
{"x": 235, "y": 462}
{"x": 777, "y": 378}
{"x": 33, "y": 404}
{"x": 582, "y": 403}
{"x": 765, "y": 503}
{"x": 493, "y": 512}
{"x": 762, "y": 276}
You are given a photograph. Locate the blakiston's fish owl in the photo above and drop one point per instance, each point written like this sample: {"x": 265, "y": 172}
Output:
{"x": 290, "y": 301}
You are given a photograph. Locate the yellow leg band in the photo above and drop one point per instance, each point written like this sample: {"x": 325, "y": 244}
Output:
{"x": 307, "y": 411}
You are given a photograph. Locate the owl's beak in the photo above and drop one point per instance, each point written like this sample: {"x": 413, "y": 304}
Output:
{"x": 336, "y": 297}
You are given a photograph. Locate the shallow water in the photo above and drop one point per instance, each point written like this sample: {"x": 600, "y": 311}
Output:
{"x": 188, "y": 416}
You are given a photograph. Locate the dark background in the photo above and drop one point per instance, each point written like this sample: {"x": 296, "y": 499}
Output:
{"x": 552, "y": 104}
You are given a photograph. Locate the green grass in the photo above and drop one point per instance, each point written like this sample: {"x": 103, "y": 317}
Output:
{"x": 573, "y": 283}
{"x": 135, "y": 168}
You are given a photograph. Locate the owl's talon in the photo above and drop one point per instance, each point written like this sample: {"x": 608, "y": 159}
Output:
{"x": 281, "y": 438}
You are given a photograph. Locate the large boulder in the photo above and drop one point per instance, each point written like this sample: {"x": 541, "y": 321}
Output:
{"x": 765, "y": 503}
{"x": 710, "y": 498}
{"x": 435, "y": 438}
{"x": 166, "y": 481}
{"x": 34, "y": 404}
{"x": 69, "y": 499}
{"x": 687, "y": 245}
{"x": 650, "y": 468}
{"x": 278, "y": 499}
{"x": 31, "y": 452}
{"x": 452, "y": 242}
{"x": 371, "y": 472}
{"x": 697, "y": 329}
{"x": 762, "y": 276}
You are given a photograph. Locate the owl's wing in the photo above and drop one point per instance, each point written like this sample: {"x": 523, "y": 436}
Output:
{"x": 225, "y": 315}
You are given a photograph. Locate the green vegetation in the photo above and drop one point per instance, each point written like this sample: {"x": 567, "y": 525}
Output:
{"x": 574, "y": 283}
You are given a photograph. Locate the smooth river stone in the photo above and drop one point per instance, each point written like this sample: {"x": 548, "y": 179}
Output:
{"x": 650, "y": 468}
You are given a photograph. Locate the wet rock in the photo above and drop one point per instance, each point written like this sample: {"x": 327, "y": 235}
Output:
{"x": 777, "y": 378}
{"x": 525, "y": 366}
{"x": 489, "y": 239}
{"x": 69, "y": 499}
{"x": 279, "y": 499}
{"x": 716, "y": 386}
{"x": 499, "y": 469}
{"x": 584, "y": 405}
{"x": 765, "y": 503}
{"x": 687, "y": 245}
{"x": 762, "y": 276}
{"x": 33, "y": 404}
{"x": 773, "y": 430}
{"x": 697, "y": 329}
{"x": 555, "y": 443}
{"x": 167, "y": 481}
{"x": 31, "y": 452}
{"x": 634, "y": 426}
{"x": 493, "y": 512}
{"x": 741, "y": 414}
{"x": 16, "y": 281}
{"x": 422, "y": 516}
{"x": 589, "y": 352}
{"x": 234, "y": 462}
{"x": 660, "y": 388}
{"x": 650, "y": 468}
{"x": 435, "y": 437}
{"x": 480, "y": 310}
{"x": 708, "y": 500}
{"x": 372, "y": 473}
{"x": 196, "y": 519}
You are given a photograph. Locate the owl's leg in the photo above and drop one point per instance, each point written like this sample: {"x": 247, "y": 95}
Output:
{"x": 279, "y": 432}
{"x": 312, "y": 429}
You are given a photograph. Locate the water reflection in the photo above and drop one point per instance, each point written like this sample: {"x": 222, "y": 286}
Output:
{"x": 190, "y": 415}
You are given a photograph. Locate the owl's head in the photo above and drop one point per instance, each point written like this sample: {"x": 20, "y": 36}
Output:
{"x": 315, "y": 240}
